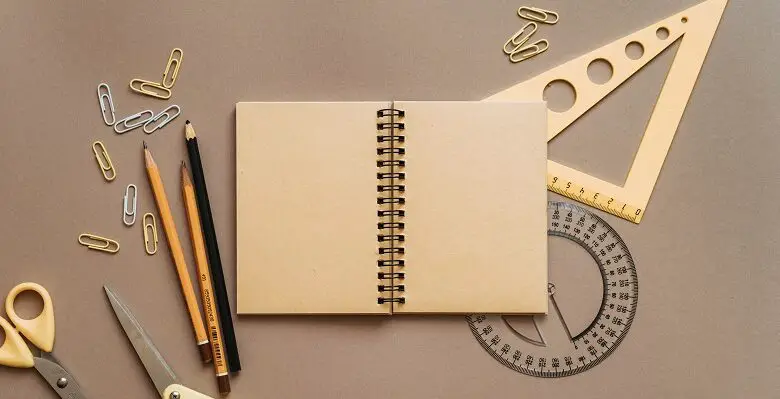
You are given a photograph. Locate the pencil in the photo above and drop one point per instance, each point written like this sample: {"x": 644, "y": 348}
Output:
{"x": 178, "y": 255}
{"x": 206, "y": 292}
{"x": 215, "y": 262}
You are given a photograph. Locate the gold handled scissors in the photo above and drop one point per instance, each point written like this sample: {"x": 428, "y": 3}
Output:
{"x": 14, "y": 352}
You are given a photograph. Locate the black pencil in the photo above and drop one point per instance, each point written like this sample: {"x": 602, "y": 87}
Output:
{"x": 212, "y": 249}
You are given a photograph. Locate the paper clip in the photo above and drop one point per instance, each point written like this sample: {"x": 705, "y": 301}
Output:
{"x": 538, "y": 15}
{"x": 172, "y": 67}
{"x": 530, "y": 51}
{"x": 520, "y": 38}
{"x": 141, "y": 86}
{"x": 104, "y": 161}
{"x": 136, "y": 120}
{"x": 147, "y": 226}
{"x": 106, "y": 103}
{"x": 98, "y": 243}
{"x": 164, "y": 113}
{"x": 130, "y": 212}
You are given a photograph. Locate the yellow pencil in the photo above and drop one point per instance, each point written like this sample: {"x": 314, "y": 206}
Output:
{"x": 178, "y": 255}
{"x": 204, "y": 278}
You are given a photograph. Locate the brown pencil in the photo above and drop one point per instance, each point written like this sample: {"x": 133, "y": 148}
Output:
{"x": 178, "y": 255}
{"x": 204, "y": 278}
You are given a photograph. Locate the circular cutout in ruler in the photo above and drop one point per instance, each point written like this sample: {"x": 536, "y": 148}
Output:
{"x": 591, "y": 306}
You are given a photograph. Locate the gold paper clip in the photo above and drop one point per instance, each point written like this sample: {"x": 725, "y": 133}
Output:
{"x": 147, "y": 242}
{"x": 130, "y": 212}
{"x": 168, "y": 117}
{"x": 98, "y": 243}
{"x": 172, "y": 68}
{"x": 529, "y": 51}
{"x": 104, "y": 161}
{"x": 106, "y": 103}
{"x": 135, "y": 121}
{"x": 142, "y": 86}
{"x": 538, "y": 15}
{"x": 520, "y": 38}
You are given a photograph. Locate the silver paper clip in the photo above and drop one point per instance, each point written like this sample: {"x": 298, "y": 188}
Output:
{"x": 538, "y": 15}
{"x": 136, "y": 120}
{"x": 106, "y": 103}
{"x": 168, "y": 117}
{"x": 130, "y": 212}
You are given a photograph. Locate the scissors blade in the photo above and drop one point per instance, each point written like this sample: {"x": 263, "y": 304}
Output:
{"x": 161, "y": 374}
{"x": 58, "y": 378}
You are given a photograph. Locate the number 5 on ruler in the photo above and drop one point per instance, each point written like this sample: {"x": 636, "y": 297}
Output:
{"x": 696, "y": 26}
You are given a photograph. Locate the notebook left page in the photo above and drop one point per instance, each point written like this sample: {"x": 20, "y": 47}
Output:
{"x": 306, "y": 208}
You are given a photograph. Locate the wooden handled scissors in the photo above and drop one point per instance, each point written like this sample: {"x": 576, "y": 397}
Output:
{"x": 14, "y": 352}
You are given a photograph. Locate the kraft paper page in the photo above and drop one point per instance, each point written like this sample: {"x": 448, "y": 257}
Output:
{"x": 475, "y": 207}
{"x": 306, "y": 208}
{"x": 475, "y": 232}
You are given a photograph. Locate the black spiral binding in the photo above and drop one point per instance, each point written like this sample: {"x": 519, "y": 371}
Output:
{"x": 390, "y": 189}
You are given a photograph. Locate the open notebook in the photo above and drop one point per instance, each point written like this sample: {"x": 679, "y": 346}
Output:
{"x": 391, "y": 207}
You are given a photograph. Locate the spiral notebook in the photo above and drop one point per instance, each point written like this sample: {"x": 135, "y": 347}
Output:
{"x": 391, "y": 207}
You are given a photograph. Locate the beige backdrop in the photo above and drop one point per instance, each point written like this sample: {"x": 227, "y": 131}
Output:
{"x": 707, "y": 324}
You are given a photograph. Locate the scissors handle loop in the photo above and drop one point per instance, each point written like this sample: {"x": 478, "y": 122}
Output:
{"x": 14, "y": 352}
{"x": 39, "y": 330}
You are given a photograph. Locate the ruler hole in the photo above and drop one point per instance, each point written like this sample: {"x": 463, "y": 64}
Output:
{"x": 600, "y": 71}
{"x": 560, "y": 95}
{"x": 662, "y": 33}
{"x": 684, "y": 19}
{"x": 635, "y": 50}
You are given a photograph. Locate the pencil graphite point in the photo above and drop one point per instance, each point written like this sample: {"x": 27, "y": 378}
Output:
{"x": 189, "y": 131}
{"x": 144, "y": 144}
{"x": 187, "y": 122}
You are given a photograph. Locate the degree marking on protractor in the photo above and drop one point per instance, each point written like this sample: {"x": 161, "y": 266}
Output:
{"x": 603, "y": 334}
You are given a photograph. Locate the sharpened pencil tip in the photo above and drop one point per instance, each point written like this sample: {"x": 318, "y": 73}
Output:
{"x": 189, "y": 131}
{"x": 187, "y": 122}
{"x": 183, "y": 165}
{"x": 144, "y": 144}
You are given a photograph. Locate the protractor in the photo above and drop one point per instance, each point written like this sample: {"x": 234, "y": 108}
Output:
{"x": 591, "y": 306}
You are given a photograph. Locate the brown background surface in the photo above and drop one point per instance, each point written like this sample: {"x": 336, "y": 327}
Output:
{"x": 707, "y": 324}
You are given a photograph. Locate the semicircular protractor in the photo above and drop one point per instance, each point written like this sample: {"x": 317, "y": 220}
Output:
{"x": 592, "y": 303}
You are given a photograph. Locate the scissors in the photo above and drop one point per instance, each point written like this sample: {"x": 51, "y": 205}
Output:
{"x": 14, "y": 352}
{"x": 162, "y": 375}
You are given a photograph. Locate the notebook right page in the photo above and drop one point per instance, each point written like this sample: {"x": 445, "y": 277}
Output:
{"x": 476, "y": 207}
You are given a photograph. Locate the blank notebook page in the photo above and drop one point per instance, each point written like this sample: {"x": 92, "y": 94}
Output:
{"x": 306, "y": 207}
{"x": 476, "y": 207}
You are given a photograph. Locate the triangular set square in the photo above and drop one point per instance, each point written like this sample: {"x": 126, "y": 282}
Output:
{"x": 695, "y": 27}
